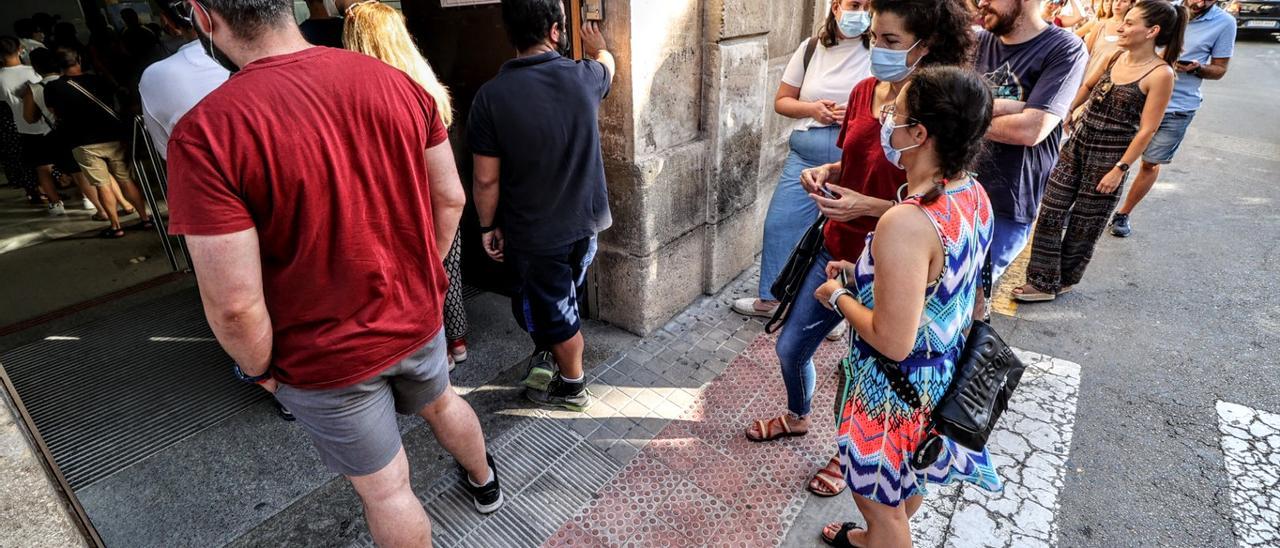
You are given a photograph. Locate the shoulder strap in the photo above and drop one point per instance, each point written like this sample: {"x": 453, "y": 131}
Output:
{"x": 809, "y": 49}
{"x": 1115, "y": 58}
{"x": 93, "y": 98}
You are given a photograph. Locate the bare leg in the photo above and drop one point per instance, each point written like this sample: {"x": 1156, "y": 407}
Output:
{"x": 568, "y": 355}
{"x": 396, "y": 518}
{"x": 44, "y": 176}
{"x": 89, "y": 191}
{"x": 458, "y": 431}
{"x": 134, "y": 195}
{"x": 1141, "y": 186}
{"x": 109, "y": 207}
{"x": 115, "y": 191}
{"x": 887, "y": 526}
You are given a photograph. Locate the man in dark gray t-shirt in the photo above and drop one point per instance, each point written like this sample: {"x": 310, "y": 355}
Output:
{"x": 539, "y": 189}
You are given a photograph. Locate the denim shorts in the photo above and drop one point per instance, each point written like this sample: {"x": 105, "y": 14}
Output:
{"x": 1168, "y": 138}
{"x": 354, "y": 427}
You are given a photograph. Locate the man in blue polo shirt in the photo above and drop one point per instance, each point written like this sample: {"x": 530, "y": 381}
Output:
{"x": 1206, "y": 49}
{"x": 539, "y": 185}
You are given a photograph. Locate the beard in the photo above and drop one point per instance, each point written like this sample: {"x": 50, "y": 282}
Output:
{"x": 1004, "y": 22}
{"x": 213, "y": 52}
{"x": 563, "y": 47}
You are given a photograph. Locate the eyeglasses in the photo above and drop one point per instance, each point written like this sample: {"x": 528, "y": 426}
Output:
{"x": 889, "y": 112}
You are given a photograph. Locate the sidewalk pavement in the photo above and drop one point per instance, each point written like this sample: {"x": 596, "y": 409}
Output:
{"x": 660, "y": 459}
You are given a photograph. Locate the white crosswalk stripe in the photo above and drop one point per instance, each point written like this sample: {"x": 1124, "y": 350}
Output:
{"x": 1030, "y": 448}
{"x": 1251, "y": 447}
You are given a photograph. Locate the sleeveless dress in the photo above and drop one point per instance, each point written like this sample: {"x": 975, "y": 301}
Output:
{"x": 877, "y": 432}
{"x": 1073, "y": 214}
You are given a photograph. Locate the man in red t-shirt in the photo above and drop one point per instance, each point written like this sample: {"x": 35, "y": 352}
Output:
{"x": 317, "y": 207}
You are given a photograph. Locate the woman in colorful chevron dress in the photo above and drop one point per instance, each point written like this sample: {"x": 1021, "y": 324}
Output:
{"x": 910, "y": 299}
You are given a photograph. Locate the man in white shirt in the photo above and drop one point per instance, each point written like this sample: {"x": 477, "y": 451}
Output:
{"x": 37, "y": 150}
{"x": 30, "y": 35}
{"x": 172, "y": 86}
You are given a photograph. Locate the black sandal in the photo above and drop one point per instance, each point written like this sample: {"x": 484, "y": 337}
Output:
{"x": 842, "y": 538}
{"x": 111, "y": 233}
{"x": 145, "y": 224}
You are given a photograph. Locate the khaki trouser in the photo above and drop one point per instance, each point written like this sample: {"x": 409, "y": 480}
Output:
{"x": 102, "y": 161}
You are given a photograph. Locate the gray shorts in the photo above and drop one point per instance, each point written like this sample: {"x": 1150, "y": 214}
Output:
{"x": 354, "y": 427}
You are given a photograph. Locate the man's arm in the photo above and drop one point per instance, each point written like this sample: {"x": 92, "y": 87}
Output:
{"x": 447, "y": 196}
{"x": 486, "y": 174}
{"x": 1215, "y": 70}
{"x": 594, "y": 46}
{"x": 229, "y": 271}
{"x": 1027, "y": 128}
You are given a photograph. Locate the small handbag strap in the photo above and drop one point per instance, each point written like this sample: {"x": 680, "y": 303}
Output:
{"x": 93, "y": 98}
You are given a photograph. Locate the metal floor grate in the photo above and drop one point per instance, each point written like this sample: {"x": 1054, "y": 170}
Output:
{"x": 111, "y": 393}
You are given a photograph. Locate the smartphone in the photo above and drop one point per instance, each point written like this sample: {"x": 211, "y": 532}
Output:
{"x": 844, "y": 281}
{"x": 827, "y": 192}
{"x": 1184, "y": 63}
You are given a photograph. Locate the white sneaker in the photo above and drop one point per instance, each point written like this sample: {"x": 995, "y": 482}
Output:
{"x": 86, "y": 205}
{"x": 57, "y": 210}
{"x": 747, "y": 307}
{"x": 838, "y": 331}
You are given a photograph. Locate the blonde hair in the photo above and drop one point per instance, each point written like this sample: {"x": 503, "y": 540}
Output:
{"x": 377, "y": 30}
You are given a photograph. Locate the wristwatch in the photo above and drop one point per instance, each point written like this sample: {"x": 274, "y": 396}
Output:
{"x": 1196, "y": 71}
{"x": 488, "y": 229}
{"x": 835, "y": 297}
{"x": 240, "y": 376}
{"x": 1123, "y": 167}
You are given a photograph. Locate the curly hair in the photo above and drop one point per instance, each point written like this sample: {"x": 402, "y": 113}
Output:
{"x": 941, "y": 25}
{"x": 954, "y": 105}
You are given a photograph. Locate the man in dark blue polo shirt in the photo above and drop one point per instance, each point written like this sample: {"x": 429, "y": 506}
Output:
{"x": 539, "y": 185}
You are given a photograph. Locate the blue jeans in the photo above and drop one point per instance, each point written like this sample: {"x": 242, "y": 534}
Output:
{"x": 807, "y": 325}
{"x": 1164, "y": 144}
{"x": 1008, "y": 237}
{"x": 792, "y": 211}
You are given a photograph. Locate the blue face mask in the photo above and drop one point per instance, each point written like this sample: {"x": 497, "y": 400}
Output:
{"x": 890, "y": 65}
{"x": 854, "y": 23}
{"x": 894, "y": 155}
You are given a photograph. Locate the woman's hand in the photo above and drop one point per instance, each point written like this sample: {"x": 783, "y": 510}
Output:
{"x": 823, "y": 112}
{"x": 848, "y": 204}
{"x": 823, "y": 294}
{"x": 834, "y": 268}
{"x": 814, "y": 178}
{"x": 1111, "y": 181}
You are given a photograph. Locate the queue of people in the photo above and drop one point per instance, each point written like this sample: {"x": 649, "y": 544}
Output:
{"x": 914, "y": 206}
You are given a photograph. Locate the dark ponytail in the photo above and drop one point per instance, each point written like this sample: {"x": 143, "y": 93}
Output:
{"x": 954, "y": 105}
{"x": 1172, "y": 21}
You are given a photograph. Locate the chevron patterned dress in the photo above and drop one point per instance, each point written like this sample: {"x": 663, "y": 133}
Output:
{"x": 877, "y": 432}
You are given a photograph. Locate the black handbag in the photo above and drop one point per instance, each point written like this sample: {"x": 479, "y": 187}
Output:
{"x": 986, "y": 374}
{"x": 791, "y": 278}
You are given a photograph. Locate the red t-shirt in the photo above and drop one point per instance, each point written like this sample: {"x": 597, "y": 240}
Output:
{"x": 322, "y": 152}
{"x": 864, "y": 169}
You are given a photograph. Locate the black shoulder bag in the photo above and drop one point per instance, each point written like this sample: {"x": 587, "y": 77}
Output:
{"x": 986, "y": 374}
{"x": 791, "y": 278}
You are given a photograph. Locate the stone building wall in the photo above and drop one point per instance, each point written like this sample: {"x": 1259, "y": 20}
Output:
{"x": 692, "y": 147}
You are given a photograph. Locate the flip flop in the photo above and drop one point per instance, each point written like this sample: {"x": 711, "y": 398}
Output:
{"x": 1036, "y": 296}
{"x": 842, "y": 538}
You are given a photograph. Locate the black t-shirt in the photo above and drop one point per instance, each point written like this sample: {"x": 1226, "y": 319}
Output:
{"x": 80, "y": 120}
{"x": 540, "y": 117}
{"x": 323, "y": 32}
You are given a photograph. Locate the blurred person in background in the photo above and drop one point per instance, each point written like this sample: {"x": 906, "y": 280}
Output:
{"x": 323, "y": 26}
{"x": 1123, "y": 102}
{"x": 37, "y": 151}
{"x": 1207, "y": 47}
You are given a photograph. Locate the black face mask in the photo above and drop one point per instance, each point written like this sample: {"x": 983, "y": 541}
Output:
{"x": 211, "y": 49}
{"x": 562, "y": 45}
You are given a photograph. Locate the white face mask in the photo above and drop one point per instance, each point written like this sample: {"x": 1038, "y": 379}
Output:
{"x": 894, "y": 155}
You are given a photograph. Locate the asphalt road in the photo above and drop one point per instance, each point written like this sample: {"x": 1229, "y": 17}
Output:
{"x": 1184, "y": 313}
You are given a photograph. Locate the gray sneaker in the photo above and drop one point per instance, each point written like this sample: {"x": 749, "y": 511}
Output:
{"x": 1120, "y": 226}
{"x": 542, "y": 367}
{"x": 569, "y": 395}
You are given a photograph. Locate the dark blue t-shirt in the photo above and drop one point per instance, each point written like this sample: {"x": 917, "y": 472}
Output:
{"x": 1045, "y": 72}
{"x": 539, "y": 116}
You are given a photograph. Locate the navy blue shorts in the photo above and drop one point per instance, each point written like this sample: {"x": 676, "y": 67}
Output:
{"x": 544, "y": 297}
